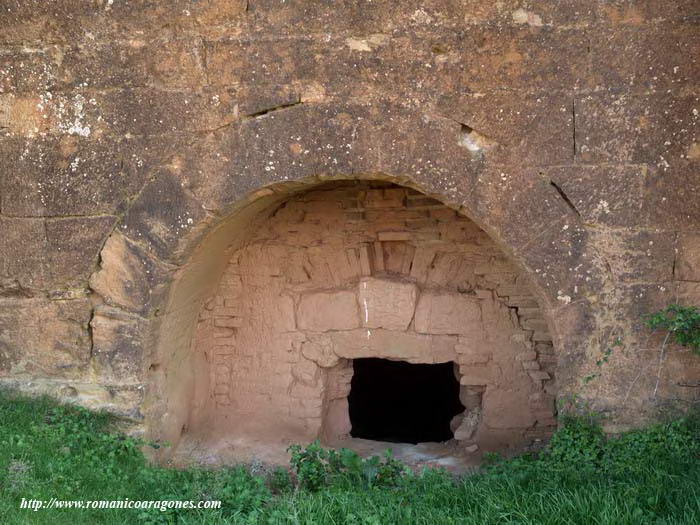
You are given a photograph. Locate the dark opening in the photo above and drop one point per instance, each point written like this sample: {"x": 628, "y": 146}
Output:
{"x": 402, "y": 402}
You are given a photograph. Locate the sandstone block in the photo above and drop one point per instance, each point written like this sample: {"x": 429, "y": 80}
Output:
{"x": 443, "y": 214}
{"x": 480, "y": 358}
{"x": 470, "y": 397}
{"x": 468, "y": 426}
{"x": 653, "y": 58}
{"x": 542, "y": 337}
{"x": 634, "y": 129}
{"x": 51, "y": 253}
{"x": 277, "y": 313}
{"x": 448, "y": 313}
{"x": 671, "y": 194}
{"x": 535, "y": 127}
{"x": 300, "y": 390}
{"x": 306, "y": 372}
{"x": 637, "y": 255}
{"x": 503, "y": 408}
{"x": 472, "y": 350}
{"x": 41, "y": 337}
{"x": 475, "y": 376}
{"x": 123, "y": 400}
{"x": 337, "y": 420}
{"x": 543, "y": 415}
{"x": 417, "y": 348}
{"x": 22, "y": 115}
{"x": 538, "y": 375}
{"x": 688, "y": 263}
{"x": 221, "y": 389}
{"x": 320, "y": 352}
{"x": 323, "y": 311}
{"x": 535, "y": 324}
{"x": 128, "y": 277}
{"x": 69, "y": 175}
{"x": 117, "y": 345}
{"x": 387, "y": 304}
{"x": 162, "y": 214}
{"x": 688, "y": 292}
{"x": 609, "y": 195}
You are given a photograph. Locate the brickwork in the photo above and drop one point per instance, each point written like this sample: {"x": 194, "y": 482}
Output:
{"x": 372, "y": 270}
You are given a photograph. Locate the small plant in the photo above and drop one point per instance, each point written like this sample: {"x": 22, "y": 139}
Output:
{"x": 310, "y": 464}
{"x": 317, "y": 467}
{"x": 573, "y": 406}
{"x": 492, "y": 458}
{"x": 605, "y": 357}
{"x": 681, "y": 322}
{"x": 579, "y": 443}
{"x": 279, "y": 481}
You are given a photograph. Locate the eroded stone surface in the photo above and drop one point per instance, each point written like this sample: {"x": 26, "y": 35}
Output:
{"x": 118, "y": 346}
{"x": 389, "y": 344}
{"x": 687, "y": 265}
{"x": 320, "y": 312}
{"x": 44, "y": 338}
{"x": 442, "y": 313}
{"x": 387, "y": 304}
{"x": 128, "y": 276}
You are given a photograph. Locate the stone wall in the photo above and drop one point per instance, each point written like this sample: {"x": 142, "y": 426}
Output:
{"x": 132, "y": 133}
{"x": 370, "y": 270}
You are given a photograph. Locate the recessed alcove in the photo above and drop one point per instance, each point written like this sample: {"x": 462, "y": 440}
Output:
{"x": 322, "y": 280}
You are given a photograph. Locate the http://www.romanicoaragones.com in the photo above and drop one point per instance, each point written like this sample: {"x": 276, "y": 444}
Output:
{"x": 162, "y": 505}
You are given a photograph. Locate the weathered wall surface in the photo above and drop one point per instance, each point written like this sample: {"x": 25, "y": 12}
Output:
{"x": 369, "y": 270}
{"x": 129, "y": 129}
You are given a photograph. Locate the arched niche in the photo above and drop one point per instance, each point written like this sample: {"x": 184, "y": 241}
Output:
{"x": 255, "y": 347}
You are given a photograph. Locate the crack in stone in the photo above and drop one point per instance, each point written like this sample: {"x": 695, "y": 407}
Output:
{"x": 573, "y": 126}
{"x": 565, "y": 198}
{"x": 675, "y": 257}
{"x": 255, "y": 115}
{"x": 272, "y": 109}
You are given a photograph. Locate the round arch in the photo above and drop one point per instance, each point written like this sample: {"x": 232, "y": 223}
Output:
{"x": 158, "y": 267}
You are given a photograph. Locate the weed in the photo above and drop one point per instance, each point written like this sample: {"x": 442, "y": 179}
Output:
{"x": 680, "y": 322}
{"x": 316, "y": 467}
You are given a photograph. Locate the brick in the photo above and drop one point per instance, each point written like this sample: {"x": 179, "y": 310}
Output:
{"x": 539, "y": 375}
{"x": 394, "y": 236}
{"x": 531, "y": 365}
{"x": 526, "y": 356}
{"x": 228, "y": 322}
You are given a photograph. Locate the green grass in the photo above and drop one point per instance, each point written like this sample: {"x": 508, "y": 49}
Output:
{"x": 651, "y": 476}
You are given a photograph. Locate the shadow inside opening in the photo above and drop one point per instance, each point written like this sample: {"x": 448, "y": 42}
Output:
{"x": 402, "y": 402}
